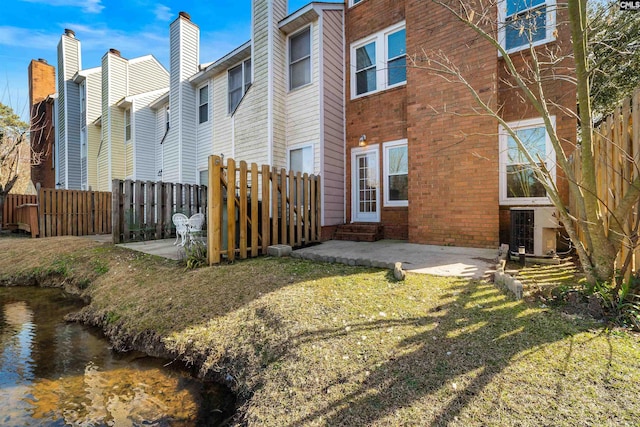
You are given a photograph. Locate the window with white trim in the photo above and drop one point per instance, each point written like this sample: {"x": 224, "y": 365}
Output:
{"x": 396, "y": 173}
{"x": 239, "y": 81}
{"x": 301, "y": 159}
{"x": 354, "y": 2}
{"x": 203, "y": 104}
{"x": 379, "y": 62}
{"x": 518, "y": 182}
{"x": 300, "y": 59}
{"x": 167, "y": 117}
{"x": 526, "y": 23}
{"x": 127, "y": 125}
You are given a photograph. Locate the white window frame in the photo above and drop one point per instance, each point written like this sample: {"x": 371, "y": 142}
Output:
{"x": 310, "y": 58}
{"x": 550, "y": 154}
{"x": 354, "y": 2}
{"x": 385, "y": 159}
{"x": 128, "y": 124}
{"x": 246, "y": 83}
{"x": 167, "y": 118}
{"x": 201, "y": 104}
{"x": 550, "y": 25}
{"x": 381, "y": 46}
{"x": 302, "y": 146}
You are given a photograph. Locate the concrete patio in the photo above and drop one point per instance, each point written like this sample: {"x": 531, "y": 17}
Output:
{"x": 415, "y": 258}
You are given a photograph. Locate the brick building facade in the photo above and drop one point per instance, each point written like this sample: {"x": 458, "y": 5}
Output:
{"x": 453, "y": 169}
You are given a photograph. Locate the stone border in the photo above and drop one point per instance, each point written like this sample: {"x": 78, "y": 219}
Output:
{"x": 503, "y": 279}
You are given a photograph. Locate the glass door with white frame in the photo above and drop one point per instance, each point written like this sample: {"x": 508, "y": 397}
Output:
{"x": 365, "y": 186}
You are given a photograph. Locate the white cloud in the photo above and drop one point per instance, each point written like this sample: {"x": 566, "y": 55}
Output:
{"x": 87, "y": 6}
{"x": 25, "y": 37}
{"x": 163, "y": 13}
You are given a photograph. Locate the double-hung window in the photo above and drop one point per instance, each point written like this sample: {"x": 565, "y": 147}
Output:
{"x": 203, "y": 104}
{"x": 526, "y": 23}
{"x": 518, "y": 182}
{"x": 396, "y": 173}
{"x": 300, "y": 59}
{"x": 83, "y": 97}
{"x": 239, "y": 81}
{"x": 127, "y": 125}
{"x": 379, "y": 62}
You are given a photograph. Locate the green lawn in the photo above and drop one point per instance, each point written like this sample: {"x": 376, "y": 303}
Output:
{"x": 305, "y": 343}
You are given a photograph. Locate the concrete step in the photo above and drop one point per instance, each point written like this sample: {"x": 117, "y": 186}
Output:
{"x": 359, "y": 232}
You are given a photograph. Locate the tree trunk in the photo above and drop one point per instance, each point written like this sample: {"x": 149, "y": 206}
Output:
{"x": 602, "y": 253}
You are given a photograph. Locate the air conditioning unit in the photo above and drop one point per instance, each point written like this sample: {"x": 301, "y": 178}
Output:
{"x": 535, "y": 229}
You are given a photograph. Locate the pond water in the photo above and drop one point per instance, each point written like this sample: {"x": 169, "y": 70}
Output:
{"x": 54, "y": 373}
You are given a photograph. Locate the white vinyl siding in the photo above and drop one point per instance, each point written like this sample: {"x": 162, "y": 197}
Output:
{"x": 93, "y": 84}
{"x": 378, "y": 62}
{"x": 146, "y": 75}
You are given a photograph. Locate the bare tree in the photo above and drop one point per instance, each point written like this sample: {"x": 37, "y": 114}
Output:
{"x": 597, "y": 241}
{"x": 13, "y": 137}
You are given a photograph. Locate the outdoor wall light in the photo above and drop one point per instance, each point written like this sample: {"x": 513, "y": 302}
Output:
{"x": 521, "y": 254}
{"x": 363, "y": 140}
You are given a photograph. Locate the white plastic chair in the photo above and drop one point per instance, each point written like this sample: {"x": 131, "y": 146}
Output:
{"x": 194, "y": 225}
{"x": 181, "y": 223}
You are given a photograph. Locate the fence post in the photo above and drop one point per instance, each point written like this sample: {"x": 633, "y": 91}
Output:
{"x": 266, "y": 206}
{"x": 214, "y": 207}
{"x": 116, "y": 216}
{"x": 231, "y": 209}
{"x": 255, "y": 227}
{"x": 243, "y": 209}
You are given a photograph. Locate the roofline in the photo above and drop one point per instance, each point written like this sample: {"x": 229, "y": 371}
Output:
{"x": 235, "y": 55}
{"x": 127, "y": 100}
{"x": 313, "y": 6}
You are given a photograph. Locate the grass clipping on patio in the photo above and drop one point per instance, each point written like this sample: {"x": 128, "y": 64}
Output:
{"x": 306, "y": 343}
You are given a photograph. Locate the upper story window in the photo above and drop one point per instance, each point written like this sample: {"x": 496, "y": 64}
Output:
{"x": 526, "y": 23}
{"x": 354, "y": 2}
{"x": 127, "y": 125}
{"x": 239, "y": 82}
{"x": 379, "y": 62}
{"x": 83, "y": 97}
{"x": 518, "y": 183}
{"x": 300, "y": 59}
{"x": 203, "y": 104}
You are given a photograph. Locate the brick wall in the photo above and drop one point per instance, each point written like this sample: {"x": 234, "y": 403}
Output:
{"x": 41, "y": 85}
{"x": 380, "y": 116}
{"x": 453, "y": 176}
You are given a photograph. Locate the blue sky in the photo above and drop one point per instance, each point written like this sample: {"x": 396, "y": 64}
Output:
{"x": 31, "y": 29}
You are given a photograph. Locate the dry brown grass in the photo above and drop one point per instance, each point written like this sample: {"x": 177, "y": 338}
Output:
{"x": 320, "y": 344}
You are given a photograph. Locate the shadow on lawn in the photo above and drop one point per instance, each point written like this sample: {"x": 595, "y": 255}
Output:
{"x": 495, "y": 333}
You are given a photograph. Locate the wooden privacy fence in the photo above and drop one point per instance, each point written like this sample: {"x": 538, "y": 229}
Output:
{"x": 617, "y": 161}
{"x": 73, "y": 212}
{"x": 142, "y": 210}
{"x": 253, "y": 207}
{"x": 10, "y": 206}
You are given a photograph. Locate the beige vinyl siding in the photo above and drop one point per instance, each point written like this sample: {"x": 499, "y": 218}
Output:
{"x": 94, "y": 133}
{"x": 280, "y": 65}
{"x": 333, "y": 191}
{"x": 303, "y": 106}
{"x": 222, "y": 129}
{"x": 104, "y": 149}
{"x": 113, "y": 117}
{"x": 146, "y": 75}
{"x": 128, "y": 156}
